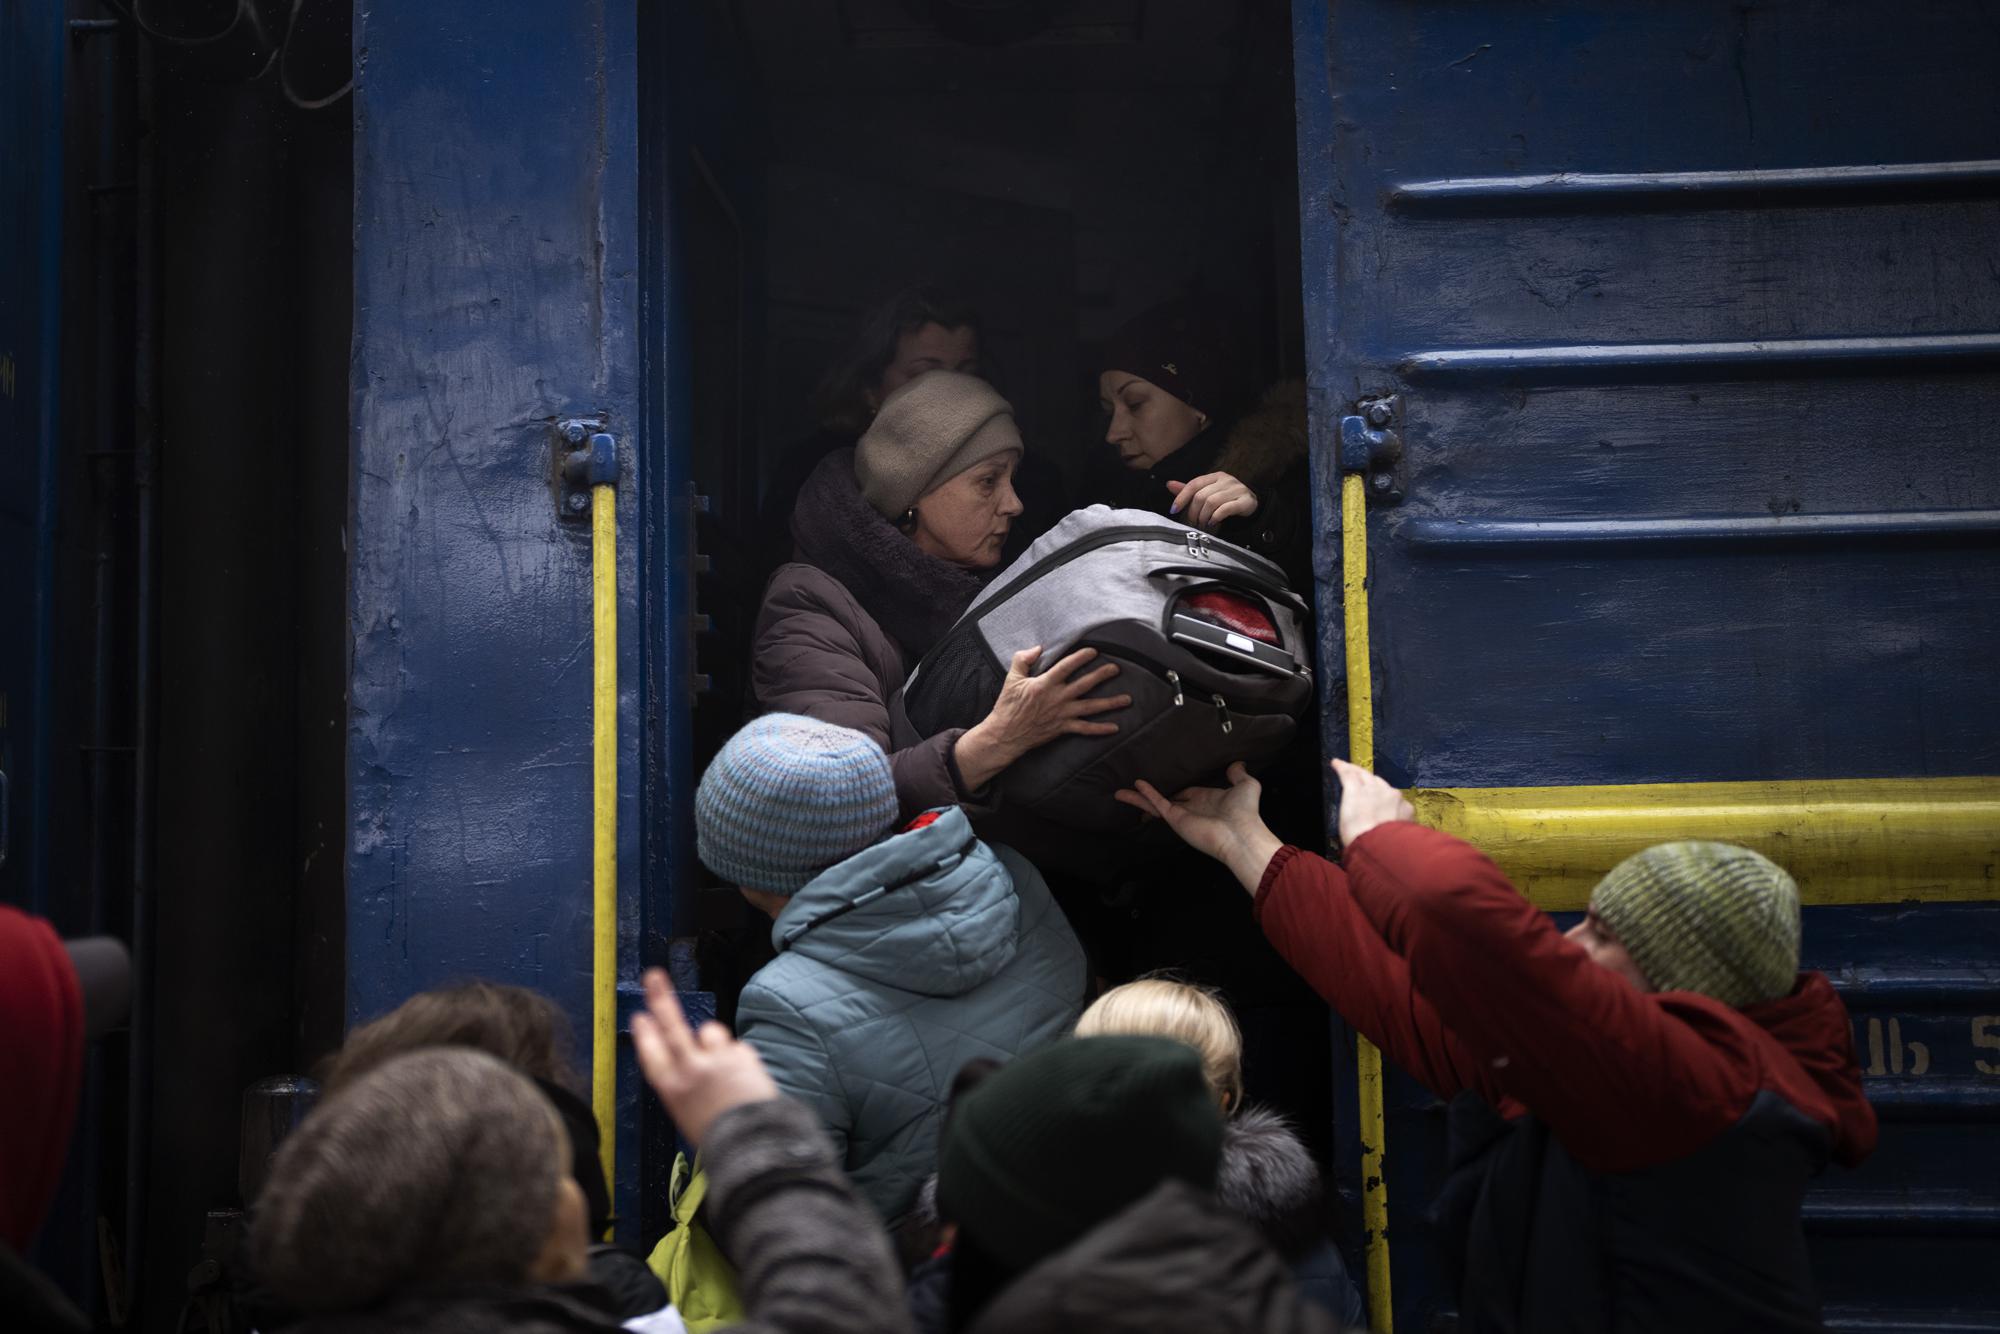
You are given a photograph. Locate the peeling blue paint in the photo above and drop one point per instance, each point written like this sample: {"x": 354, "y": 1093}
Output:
{"x": 1691, "y": 313}
{"x": 496, "y": 293}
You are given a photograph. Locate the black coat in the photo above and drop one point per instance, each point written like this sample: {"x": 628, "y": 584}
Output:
{"x": 1267, "y": 449}
{"x": 1175, "y": 1261}
{"x": 1710, "y": 1242}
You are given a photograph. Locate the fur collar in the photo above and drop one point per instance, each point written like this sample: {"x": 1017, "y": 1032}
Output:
{"x": 1269, "y": 438}
{"x": 912, "y": 595}
{"x": 1269, "y": 1177}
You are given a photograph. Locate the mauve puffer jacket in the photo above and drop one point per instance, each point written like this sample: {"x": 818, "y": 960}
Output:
{"x": 841, "y": 626}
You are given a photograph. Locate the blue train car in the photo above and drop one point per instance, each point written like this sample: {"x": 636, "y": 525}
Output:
{"x": 385, "y": 397}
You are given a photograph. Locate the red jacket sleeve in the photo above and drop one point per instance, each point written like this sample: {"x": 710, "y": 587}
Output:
{"x": 1304, "y": 906}
{"x": 1623, "y": 1081}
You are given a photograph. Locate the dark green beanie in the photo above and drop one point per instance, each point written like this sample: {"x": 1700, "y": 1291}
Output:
{"x": 1057, "y": 1142}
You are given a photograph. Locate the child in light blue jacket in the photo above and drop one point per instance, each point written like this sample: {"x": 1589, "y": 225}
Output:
{"x": 903, "y": 953}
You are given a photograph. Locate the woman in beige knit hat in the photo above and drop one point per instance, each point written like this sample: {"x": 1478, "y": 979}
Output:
{"x": 892, "y": 540}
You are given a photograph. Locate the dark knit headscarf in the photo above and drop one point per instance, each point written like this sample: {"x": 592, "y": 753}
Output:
{"x": 1186, "y": 347}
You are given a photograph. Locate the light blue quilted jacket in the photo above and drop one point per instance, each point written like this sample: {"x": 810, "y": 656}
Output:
{"x": 894, "y": 969}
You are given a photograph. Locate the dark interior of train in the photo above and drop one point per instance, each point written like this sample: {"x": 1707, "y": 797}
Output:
{"x": 1061, "y": 166}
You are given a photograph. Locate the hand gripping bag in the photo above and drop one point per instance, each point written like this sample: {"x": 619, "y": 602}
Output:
{"x": 1210, "y": 642}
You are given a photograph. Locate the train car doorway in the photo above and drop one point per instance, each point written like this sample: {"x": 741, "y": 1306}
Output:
{"x": 1047, "y": 172}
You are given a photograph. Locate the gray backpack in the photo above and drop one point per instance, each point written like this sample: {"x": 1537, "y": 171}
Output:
{"x": 1210, "y": 643}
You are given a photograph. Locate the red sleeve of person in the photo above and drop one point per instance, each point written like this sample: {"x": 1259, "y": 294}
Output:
{"x": 1467, "y": 985}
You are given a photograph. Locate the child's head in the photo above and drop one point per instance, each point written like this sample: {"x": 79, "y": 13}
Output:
{"x": 1164, "y": 1007}
{"x": 1056, "y": 1142}
{"x": 786, "y": 798}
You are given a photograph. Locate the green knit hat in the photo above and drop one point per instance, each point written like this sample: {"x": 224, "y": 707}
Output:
{"x": 1706, "y": 917}
{"x": 1053, "y": 1144}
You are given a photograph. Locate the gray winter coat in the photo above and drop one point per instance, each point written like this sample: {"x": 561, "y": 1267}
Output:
{"x": 895, "y": 968}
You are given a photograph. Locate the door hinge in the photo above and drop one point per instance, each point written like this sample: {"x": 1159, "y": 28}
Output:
{"x": 586, "y": 457}
{"x": 1371, "y": 444}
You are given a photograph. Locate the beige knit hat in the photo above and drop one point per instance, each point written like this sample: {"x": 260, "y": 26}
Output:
{"x": 928, "y": 432}
{"x": 1706, "y": 917}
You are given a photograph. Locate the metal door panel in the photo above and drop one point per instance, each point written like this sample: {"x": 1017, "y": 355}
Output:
{"x": 497, "y": 292}
{"x": 1689, "y": 317}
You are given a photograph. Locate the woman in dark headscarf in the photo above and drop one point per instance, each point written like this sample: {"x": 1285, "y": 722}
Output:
{"x": 1184, "y": 437}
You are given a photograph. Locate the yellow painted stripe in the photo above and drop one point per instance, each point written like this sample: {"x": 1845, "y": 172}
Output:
{"x": 604, "y": 824}
{"x": 1361, "y": 750}
{"x": 1846, "y": 841}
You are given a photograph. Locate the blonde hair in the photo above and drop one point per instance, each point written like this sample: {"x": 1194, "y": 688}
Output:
{"x": 1169, "y": 1008}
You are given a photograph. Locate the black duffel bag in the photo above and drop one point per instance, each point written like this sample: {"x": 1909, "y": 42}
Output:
{"x": 1210, "y": 643}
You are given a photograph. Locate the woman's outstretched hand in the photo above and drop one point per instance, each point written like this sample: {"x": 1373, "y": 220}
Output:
{"x": 1366, "y": 801}
{"x": 1222, "y": 822}
{"x": 1033, "y": 710}
{"x": 699, "y": 1076}
{"x": 1211, "y": 498}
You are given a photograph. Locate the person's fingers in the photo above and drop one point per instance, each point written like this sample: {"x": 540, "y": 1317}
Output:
{"x": 714, "y": 1036}
{"x": 1089, "y": 681}
{"x": 648, "y": 1047}
{"x": 1233, "y": 508}
{"x": 1064, "y": 666}
{"x": 1175, "y": 488}
{"x": 1158, "y": 804}
{"x": 1128, "y": 797}
{"x": 1079, "y": 727}
{"x": 676, "y": 1042}
{"x": 1024, "y": 661}
{"x": 1405, "y": 811}
{"x": 1188, "y": 493}
{"x": 1238, "y": 774}
{"x": 1084, "y": 708}
{"x": 1199, "y": 501}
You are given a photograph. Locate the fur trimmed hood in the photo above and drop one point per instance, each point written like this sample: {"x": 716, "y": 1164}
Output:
{"x": 1268, "y": 1177}
{"x": 1269, "y": 438}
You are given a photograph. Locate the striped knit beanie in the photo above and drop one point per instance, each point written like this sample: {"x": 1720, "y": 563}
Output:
{"x": 788, "y": 797}
{"x": 1705, "y": 917}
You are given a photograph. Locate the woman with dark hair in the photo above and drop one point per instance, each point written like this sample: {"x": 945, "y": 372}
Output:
{"x": 916, "y": 330}
{"x": 893, "y": 540}
{"x": 1186, "y": 436}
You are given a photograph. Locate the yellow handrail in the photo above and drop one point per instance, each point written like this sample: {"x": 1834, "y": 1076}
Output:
{"x": 1845, "y": 840}
{"x": 604, "y": 824}
{"x": 1361, "y": 750}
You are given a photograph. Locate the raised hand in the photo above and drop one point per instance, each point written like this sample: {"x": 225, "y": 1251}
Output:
{"x": 1211, "y": 498}
{"x": 1366, "y": 801}
{"x": 699, "y": 1076}
{"x": 1222, "y": 822}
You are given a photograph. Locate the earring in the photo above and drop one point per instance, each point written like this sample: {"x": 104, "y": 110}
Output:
{"x": 908, "y": 521}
